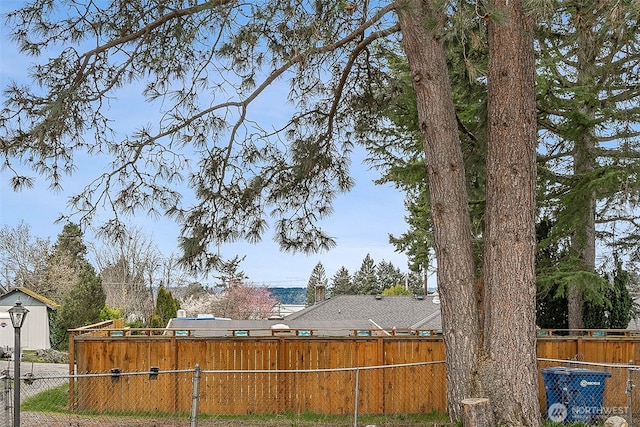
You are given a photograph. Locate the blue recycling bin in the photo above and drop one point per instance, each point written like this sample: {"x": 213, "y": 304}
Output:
{"x": 573, "y": 394}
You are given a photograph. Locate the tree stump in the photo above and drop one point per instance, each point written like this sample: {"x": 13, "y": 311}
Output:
{"x": 477, "y": 412}
{"x": 616, "y": 421}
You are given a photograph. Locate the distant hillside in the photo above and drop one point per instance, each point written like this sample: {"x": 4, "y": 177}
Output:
{"x": 290, "y": 295}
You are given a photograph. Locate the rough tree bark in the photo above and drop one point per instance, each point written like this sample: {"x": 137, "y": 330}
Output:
{"x": 489, "y": 330}
{"x": 583, "y": 240}
{"x": 509, "y": 369}
{"x": 448, "y": 197}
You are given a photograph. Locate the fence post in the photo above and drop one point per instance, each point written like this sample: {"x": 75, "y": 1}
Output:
{"x": 379, "y": 375}
{"x": 629, "y": 392}
{"x": 7, "y": 397}
{"x": 175, "y": 365}
{"x": 283, "y": 362}
{"x": 72, "y": 371}
{"x": 357, "y": 394}
{"x": 195, "y": 396}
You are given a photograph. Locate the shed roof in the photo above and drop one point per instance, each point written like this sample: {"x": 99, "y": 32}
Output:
{"x": 30, "y": 297}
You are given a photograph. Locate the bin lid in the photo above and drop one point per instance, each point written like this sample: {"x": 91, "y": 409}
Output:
{"x": 561, "y": 370}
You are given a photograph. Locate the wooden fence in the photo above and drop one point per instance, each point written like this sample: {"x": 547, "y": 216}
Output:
{"x": 271, "y": 380}
{"x": 294, "y": 374}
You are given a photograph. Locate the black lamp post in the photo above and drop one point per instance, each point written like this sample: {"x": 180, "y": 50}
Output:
{"x": 18, "y": 313}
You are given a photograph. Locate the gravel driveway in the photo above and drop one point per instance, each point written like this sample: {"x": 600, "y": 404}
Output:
{"x": 46, "y": 375}
{"x": 39, "y": 369}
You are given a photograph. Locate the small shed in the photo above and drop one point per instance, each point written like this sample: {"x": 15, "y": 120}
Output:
{"x": 36, "y": 328}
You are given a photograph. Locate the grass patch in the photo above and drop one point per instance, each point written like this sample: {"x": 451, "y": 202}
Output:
{"x": 31, "y": 356}
{"x": 313, "y": 419}
{"x": 55, "y": 400}
{"x": 434, "y": 418}
{"x": 577, "y": 424}
{"x": 52, "y": 400}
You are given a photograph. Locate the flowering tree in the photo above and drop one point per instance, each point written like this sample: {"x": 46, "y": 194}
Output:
{"x": 200, "y": 303}
{"x": 243, "y": 301}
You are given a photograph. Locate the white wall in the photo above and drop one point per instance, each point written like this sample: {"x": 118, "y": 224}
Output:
{"x": 6, "y": 331}
{"x": 34, "y": 333}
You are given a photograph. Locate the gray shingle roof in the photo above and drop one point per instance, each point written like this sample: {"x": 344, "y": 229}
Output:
{"x": 337, "y": 316}
{"x": 401, "y": 312}
{"x": 207, "y": 327}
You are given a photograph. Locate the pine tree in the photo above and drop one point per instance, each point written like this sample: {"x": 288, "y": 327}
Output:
{"x": 318, "y": 278}
{"x": 587, "y": 101}
{"x": 417, "y": 283}
{"x": 293, "y": 175}
{"x": 615, "y": 307}
{"x": 365, "y": 279}
{"x": 341, "y": 283}
{"x": 64, "y": 264}
{"x": 230, "y": 272}
{"x": 166, "y": 308}
{"x": 81, "y": 306}
{"x": 73, "y": 281}
{"x": 70, "y": 243}
{"x": 588, "y": 152}
{"x": 389, "y": 275}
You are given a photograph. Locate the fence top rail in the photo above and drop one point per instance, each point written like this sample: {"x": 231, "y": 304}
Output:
{"x": 572, "y": 362}
{"x": 588, "y": 333}
{"x": 324, "y": 333}
{"x": 121, "y": 332}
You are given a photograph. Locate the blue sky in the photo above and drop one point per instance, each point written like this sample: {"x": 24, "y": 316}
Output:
{"x": 360, "y": 224}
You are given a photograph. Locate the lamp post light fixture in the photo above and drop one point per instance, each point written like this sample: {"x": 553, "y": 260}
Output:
{"x": 18, "y": 313}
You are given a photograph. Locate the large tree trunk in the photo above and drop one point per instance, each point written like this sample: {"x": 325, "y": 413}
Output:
{"x": 583, "y": 240}
{"x": 509, "y": 369}
{"x": 451, "y": 222}
{"x": 487, "y": 330}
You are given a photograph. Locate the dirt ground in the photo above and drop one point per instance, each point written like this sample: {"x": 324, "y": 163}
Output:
{"x": 37, "y": 369}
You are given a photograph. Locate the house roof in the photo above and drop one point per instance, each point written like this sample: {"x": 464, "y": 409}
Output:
{"x": 31, "y": 295}
{"x": 337, "y": 316}
{"x": 212, "y": 327}
{"x": 388, "y": 312}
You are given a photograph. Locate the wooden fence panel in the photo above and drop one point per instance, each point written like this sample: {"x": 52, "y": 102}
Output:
{"x": 227, "y": 392}
{"x": 613, "y": 351}
{"x": 390, "y": 390}
{"x": 310, "y": 392}
{"x": 414, "y": 389}
{"x": 368, "y": 381}
{"x": 557, "y": 348}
